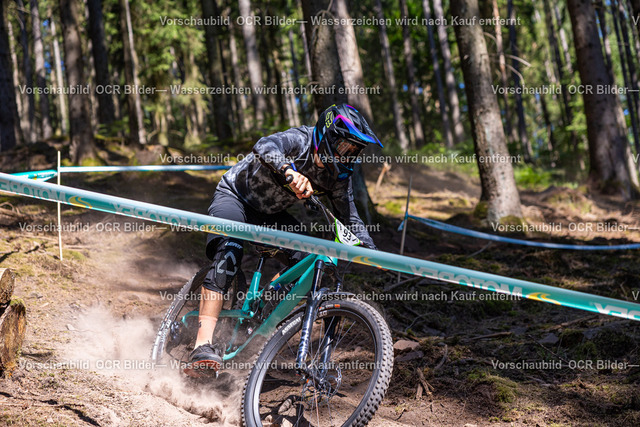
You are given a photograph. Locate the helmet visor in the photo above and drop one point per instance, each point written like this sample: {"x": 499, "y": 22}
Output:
{"x": 347, "y": 149}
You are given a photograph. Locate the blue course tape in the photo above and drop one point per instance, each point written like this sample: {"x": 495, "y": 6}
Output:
{"x": 147, "y": 168}
{"x": 38, "y": 175}
{"x": 357, "y": 254}
{"x": 465, "y": 232}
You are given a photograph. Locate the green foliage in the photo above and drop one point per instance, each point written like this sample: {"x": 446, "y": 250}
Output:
{"x": 176, "y": 55}
{"x": 504, "y": 390}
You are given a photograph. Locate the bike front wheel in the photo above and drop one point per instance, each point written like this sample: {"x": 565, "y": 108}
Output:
{"x": 349, "y": 366}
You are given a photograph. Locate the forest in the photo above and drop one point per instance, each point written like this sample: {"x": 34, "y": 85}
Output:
{"x": 516, "y": 117}
{"x": 554, "y": 84}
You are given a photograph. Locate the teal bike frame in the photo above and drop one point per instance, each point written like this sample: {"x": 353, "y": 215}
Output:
{"x": 301, "y": 273}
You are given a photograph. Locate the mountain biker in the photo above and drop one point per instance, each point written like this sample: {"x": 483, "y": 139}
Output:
{"x": 320, "y": 159}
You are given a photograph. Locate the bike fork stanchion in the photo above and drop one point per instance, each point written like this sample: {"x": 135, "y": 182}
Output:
{"x": 309, "y": 317}
{"x": 327, "y": 344}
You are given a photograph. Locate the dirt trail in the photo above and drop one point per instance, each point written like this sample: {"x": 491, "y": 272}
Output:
{"x": 91, "y": 318}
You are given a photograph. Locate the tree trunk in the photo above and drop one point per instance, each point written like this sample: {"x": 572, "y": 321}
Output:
{"x": 13, "y": 318}
{"x": 20, "y": 122}
{"x": 237, "y": 79}
{"x": 194, "y": 134}
{"x": 325, "y": 64}
{"x": 557, "y": 60}
{"x": 350, "y": 64}
{"x": 13, "y": 323}
{"x": 418, "y": 131}
{"x": 291, "y": 80}
{"x": 602, "y": 22}
{"x": 7, "y": 280}
{"x": 62, "y": 101}
{"x": 137, "y": 133}
{"x": 90, "y": 75}
{"x": 253, "y": 63}
{"x": 523, "y": 136}
{"x": 628, "y": 68}
{"x": 264, "y": 50}
{"x": 389, "y": 73}
{"x": 564, "y": 43}
{"x": 280, "y": 97}
{"x": 221, "y": 103}
{"x": 106, "y": 110}
{"x": 633, "y": 74}
{"x": 446, "y": 129}
{"x": 499, "y": 190}
{"x": 8, "y": 108}
{"x": 296, "y": 79}
{"x": 41, "y": 77}
{"x": 612, "y": 169}
{"x": 551, "y": 142}
{"x": 635, "y": 6}
{"x": 31, "y": 135}
{"x": 450, "y": 80}
{"x": 502, "y": 69}
{"x": 82, "y": 145}
{"x": 307, "y": 65}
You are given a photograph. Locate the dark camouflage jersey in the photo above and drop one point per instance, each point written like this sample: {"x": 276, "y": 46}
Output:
{"x": 253, "y": 179}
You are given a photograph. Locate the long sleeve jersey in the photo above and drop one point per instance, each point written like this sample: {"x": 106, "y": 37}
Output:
{"x": 254, "y": 181}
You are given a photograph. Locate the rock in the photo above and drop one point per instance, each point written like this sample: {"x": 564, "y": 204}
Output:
{"x": 549, "y": 339}
{"x": 403, "y": 346}
{"x": 591, "y": 333}
{"x": 413, "y": 355}
{"x": 70, "y": 327}
{"x": 519, "y": 330}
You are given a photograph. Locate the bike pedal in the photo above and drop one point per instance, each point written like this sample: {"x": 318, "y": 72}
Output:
{"x": 202, "y": 369}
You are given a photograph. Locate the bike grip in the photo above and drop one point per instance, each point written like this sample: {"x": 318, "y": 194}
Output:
{"x": 288, "y": 178}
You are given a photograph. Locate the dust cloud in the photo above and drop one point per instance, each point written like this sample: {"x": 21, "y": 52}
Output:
{"x": 120, "y": 347}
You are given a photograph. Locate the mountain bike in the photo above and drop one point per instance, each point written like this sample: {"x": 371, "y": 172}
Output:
{"x": 326, "y": 357}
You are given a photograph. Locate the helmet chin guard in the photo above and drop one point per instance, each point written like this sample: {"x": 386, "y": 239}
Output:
{"x": 338, "y": 138}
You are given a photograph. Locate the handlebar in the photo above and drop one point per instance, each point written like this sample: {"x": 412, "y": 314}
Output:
{"x": 342, "y": 233}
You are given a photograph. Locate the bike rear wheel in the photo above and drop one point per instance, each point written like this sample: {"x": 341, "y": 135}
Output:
{"x": 177, "y": 333}
{"x": 350, "y": 357}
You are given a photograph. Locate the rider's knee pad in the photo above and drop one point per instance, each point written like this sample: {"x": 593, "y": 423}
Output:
{"x": 225, "y": 266}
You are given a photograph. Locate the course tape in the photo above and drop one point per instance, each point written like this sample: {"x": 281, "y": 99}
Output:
{"x": 38, "y": 175}
{"x": 51, "y": 173}
{"x": 465, "y": 232}
{"x": 146, "y": 168}
{"x": 360, "y": 255}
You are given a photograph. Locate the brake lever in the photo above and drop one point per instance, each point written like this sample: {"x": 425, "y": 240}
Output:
{"x": 311, "y": 206}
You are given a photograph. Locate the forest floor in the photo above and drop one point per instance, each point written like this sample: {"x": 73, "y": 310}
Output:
{"x": 92, "y": 317}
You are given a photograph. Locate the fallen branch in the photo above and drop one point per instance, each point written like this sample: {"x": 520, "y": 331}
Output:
{"x": 572, "y": 322}
{"x": 444, "y": 358}
{"x": 496, "y": 335}
{"x": 428, "y": 388}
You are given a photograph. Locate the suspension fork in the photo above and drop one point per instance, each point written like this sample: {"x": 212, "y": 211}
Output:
{"x": 327, "y": 344}
{"x": 309, "y": 316}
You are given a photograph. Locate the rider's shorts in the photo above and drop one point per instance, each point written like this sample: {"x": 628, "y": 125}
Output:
{"x": 226, "y": 252}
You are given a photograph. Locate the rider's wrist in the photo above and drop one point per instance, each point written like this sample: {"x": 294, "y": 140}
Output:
{"x": 287, "y": 167}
